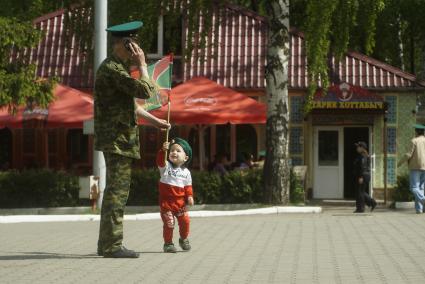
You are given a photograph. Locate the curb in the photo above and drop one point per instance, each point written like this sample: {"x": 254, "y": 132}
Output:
{"x": 155, "y": 216}
{"x": 83, "y": 210}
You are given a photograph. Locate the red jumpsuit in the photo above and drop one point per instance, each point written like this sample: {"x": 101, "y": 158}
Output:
{"x": 175, "y": 186}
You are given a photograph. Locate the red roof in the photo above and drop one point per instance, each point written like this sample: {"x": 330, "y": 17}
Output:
{"x": 69, "y": 109}
{"x": 202, "y": 101}
{"x": 55, "y": 56}
{"x": 241, "y": 46}
{"x": 241, "y": 42}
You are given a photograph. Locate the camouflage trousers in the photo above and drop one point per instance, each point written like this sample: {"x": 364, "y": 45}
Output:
{"x": 118, "y": 178}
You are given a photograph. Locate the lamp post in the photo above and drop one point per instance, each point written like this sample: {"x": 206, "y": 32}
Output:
{"x": 100, "y": 52}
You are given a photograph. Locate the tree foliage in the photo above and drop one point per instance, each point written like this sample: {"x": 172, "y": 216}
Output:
{"x": 333, "y": 26}
{"x": 400, "y": 36}
{"x": 18, "y": 82}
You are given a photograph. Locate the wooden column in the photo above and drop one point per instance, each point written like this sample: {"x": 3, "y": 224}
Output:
{"x": 385, "y": 160}
{"x": 213, "y": 140}
{"x": 62, "y": 149}
{"x": 233, "y": 142}
{"x": 201, "y": 129}
{"x": 44, "y": 147}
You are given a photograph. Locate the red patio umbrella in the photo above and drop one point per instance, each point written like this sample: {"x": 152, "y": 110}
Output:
{"x": 69, "y": 109}
{"x": 202, "y": 101}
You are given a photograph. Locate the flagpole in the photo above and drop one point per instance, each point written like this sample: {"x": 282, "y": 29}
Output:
{"x": 169, "y": 110}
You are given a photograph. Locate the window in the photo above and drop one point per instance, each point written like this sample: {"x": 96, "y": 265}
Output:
{"x": 77, "y": 146}
{"x": 328, "y": 148}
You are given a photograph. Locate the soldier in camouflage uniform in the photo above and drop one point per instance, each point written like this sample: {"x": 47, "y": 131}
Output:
{"x": 117, "y": 133}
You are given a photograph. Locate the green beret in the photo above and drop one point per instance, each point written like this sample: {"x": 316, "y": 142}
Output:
{"x": 125, "y": 30}
{"x": 419, "y": 126}
{"x": 186, "y": 147}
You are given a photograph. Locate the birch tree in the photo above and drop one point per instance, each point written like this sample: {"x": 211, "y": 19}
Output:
{"x": 276, "y": 168}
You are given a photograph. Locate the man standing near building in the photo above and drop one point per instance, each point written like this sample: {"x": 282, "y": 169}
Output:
{"x": 116, "y": 130}
{"x": 362, "y": 174}
{"x": 416, "y": 161}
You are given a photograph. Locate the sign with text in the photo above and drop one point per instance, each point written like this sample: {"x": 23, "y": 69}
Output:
{"x": 346, "y": 96}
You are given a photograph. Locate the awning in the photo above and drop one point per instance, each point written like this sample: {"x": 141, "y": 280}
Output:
{"x": 202, "y": 101}
{"x": 69, "y": 109}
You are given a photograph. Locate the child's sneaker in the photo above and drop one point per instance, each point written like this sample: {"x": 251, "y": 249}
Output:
{"x": 184, "y": 244}
{"x": 170, "y": 248}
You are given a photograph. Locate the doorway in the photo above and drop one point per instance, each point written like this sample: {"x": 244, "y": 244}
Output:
{"x": 328, "y": 163}
{"x": 351, "y": 136}
{"x": 334, "y": 155}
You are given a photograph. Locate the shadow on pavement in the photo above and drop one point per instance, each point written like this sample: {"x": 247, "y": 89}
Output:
{"x": 160, "y": 252}
{"x": 45, "y": 255}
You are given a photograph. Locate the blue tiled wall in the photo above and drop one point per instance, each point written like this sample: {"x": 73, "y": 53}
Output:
{"x": 295, "y": 145}
{"x": 392, "y": 140}
{"x": 391, "y": 171}
{"x": 296, "y": 109}
{"x": 392, "y": 108}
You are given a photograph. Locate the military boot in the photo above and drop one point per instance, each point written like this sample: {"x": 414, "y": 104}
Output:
{"x": 123, "y": 252}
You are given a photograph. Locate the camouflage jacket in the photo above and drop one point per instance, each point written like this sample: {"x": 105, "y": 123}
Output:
{"x": 115, "y": 121}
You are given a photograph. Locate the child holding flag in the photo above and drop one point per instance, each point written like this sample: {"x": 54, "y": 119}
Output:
{"x": 175, "y": 189}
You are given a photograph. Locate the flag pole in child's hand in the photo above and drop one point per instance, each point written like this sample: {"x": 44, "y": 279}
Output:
{"x": 169, "y": 107}
{"x": 168, "y": 129}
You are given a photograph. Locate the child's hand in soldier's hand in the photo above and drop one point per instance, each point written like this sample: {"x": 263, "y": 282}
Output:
{"x": 166, "y": 146}
{"x": 190, "y": 200}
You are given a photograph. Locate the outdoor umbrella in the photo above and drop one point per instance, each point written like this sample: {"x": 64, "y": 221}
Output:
{"x": 200, "y": 101}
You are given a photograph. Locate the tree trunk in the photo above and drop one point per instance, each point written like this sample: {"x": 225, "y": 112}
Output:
{"x": 400, "y": 43}
{"x": 276, "y": 168}
{"x": 412, "y": 52}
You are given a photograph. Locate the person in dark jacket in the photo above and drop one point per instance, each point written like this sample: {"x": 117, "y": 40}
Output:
{"x": 362, "y": 174}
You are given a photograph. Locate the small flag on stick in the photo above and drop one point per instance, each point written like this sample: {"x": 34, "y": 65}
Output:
{"x": 160, "y": 73}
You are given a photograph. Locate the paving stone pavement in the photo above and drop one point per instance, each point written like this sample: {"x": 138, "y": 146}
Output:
{"x": 332, "y": 247}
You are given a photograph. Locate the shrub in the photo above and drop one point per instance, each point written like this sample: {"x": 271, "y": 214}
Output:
{"x": 402, "y": 190}
{"x": 46, "y": 188}
{"x": 296, "y": 194}
{"x": 37, "y": 188}
{"x": 209, "y": 188}
{"x": 144, "y": 187}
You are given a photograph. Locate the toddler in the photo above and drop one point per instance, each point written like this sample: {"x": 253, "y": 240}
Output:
{"x": 175, "y": 190}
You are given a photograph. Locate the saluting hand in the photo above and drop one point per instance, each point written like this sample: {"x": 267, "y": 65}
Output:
{"x": 137, "y": 54}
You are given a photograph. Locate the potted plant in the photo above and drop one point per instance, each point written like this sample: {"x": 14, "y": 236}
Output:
{"x": 402, "y": 195}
